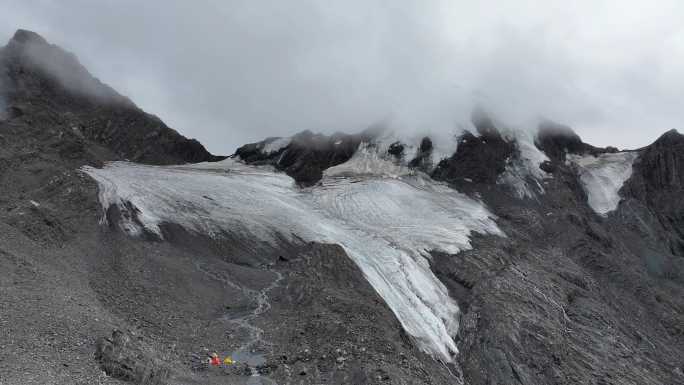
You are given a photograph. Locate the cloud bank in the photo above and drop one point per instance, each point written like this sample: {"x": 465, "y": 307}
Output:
{"x": 230, "y": 72}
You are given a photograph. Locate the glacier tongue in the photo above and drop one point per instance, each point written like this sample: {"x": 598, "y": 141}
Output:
{"x": 386, "y": 225}
{"x": 603, "y": 176}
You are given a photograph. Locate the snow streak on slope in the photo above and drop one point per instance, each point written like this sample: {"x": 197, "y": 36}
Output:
{"x": 275, "y": 144}
{"x": 386, "y": 225}
{"x": 603, "y": 176}
{"x": 523, "y": 173}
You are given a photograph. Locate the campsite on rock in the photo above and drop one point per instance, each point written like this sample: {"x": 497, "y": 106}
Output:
{"x": 493, "y": 254}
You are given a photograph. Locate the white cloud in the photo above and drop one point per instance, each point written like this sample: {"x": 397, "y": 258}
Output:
{"x": 229, "y": 72}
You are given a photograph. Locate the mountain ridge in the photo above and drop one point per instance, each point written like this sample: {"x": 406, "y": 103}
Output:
{"x": 48, "y": 83}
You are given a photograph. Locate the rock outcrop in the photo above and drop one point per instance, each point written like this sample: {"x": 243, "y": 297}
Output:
{"x": 657, "y": 184}
{"x": 126, "y": 357}
{"x": 481, "y": 158}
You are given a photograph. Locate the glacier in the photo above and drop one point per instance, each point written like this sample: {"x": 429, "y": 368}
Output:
{"x": 602, "y": 177}
{"x": 387, "y": 225}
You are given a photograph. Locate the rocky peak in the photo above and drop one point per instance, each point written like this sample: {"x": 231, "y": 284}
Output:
{"x": 22, "y": 36}
{"x": 670, "y": 138}
{"x": 45, "y": 88}
{"x": 657, "y": 182}
{"x": 662, "y": 163}
{"x": 36, "y": 66}
{"x": 556, "y": 140}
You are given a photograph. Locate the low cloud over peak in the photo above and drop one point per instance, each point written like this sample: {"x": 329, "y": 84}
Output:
{"x": 232, "y": 72}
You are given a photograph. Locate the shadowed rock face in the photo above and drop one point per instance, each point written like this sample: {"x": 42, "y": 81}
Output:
{"x": 480, "y": 159}
{"x": 658, "y": 183}
{"x": 477, "y": 158}
{"x": 662, "y": 163}
{"x": 44, "y": 85}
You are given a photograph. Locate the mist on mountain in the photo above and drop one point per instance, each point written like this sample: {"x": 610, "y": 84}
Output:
{"x": 361, "y": 257}
{"x": 63, "y": 66}
{"x": 235, "y": 72}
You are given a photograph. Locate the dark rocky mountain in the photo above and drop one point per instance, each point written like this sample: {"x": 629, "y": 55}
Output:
{"x": 557, "y": 140}
{"x": 655, "y": 189}
{"x": 45, "y": 86}
{"x": 586, "y": 286}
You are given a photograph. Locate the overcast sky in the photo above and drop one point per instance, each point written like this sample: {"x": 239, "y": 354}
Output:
{"x": 231, "y": 72}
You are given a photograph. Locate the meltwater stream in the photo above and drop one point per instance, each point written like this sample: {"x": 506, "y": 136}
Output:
{"x": 387, "y": 225}
{"x": 245, "y": 353}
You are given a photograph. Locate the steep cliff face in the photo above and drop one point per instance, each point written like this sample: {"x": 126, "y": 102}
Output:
{"x": 479, "y": 159}
{"x": 557, "y": 140}
{"x": 656, "y": 187}
{"x": 659, "y": 170}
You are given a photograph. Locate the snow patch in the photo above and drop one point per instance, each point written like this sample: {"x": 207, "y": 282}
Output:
{"x": 602, "y": 177}
{"x": 275, "y": 145}
{"x": 368, "y": 160}
{"x": 386, "y": 225}
{"x": 444, "y": 145}
{"x": 523, "y": 173}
